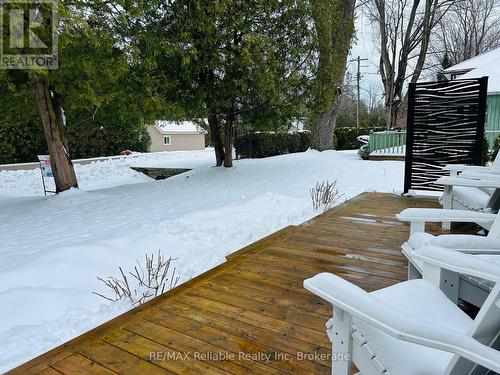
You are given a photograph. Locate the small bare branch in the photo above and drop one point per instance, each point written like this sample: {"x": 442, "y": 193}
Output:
{"x": 325, "y": 194}
{"x": 152, "y": 280}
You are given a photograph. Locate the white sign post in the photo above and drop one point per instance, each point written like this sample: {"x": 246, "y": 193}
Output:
{"x": 46, "y": 170}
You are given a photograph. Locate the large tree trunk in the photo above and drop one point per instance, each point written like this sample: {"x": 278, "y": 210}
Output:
{"x": 324, "y": 126}
{"x": 228, "y": 140}
{"x": 334, "y": 24}
{"x": 391, "y": 113}
{"x": 215, "y": 136}
{"x": 51, "y": 114}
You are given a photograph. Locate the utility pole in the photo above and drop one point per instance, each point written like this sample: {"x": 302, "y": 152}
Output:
{"x": 358, "y": 80}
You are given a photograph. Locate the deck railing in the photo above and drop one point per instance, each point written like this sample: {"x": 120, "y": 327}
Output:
{"x": 388, "y": 142}
{"x": 393, "y": 142}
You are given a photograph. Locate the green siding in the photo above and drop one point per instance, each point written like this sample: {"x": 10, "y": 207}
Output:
{"x": 493, "y": 112}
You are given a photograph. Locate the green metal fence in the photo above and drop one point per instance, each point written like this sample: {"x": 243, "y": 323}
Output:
{"x": 388, "y": 142}
{"x": 392, "y": 142}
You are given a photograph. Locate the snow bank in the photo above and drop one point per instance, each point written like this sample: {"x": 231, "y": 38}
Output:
{"x": 53, "y": 248}
{"x": 103, "y": 174}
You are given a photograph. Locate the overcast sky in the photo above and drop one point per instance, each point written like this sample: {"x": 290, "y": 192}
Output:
{"x": 365, "y": 47}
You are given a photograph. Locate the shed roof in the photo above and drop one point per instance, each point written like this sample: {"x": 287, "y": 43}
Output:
{"x": 179, "y": 127}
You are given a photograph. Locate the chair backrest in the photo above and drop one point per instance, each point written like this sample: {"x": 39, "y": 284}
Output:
{"x": 495, "y": 227}
{"x": 494, "y": 201}
{"x": 496, "y": 162}
{"x": 485, "y": 329}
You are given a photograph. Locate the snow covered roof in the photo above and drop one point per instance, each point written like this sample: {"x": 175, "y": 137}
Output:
{"x": 492, "y": 72}
{"x": 487, "y": 64}
{"x": 179, "y": 127}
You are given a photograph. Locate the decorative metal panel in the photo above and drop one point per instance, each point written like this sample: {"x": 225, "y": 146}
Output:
{"x": 445, "y": 125}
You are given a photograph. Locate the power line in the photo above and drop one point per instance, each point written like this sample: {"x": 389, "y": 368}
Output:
{"x": 358, "y": 80}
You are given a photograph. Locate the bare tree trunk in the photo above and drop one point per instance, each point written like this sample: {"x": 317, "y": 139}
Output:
{"x": 403, "y": 30}
{"x": 388, "y": 115}
{"x": 392, "y": 108}
{"x": 50, "y": 111}
{"x": 391, "y": 113}
{"x": 215, "y": 136}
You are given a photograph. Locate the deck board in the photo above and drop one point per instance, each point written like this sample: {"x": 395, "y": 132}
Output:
{"x": 254, "y": 303}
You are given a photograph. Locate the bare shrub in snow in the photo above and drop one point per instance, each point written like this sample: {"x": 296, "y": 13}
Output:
{"x": 325, "y": 194}
{"x": 144, "y": 282}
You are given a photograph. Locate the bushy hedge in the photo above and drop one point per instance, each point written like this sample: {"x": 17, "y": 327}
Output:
{"x": 6, "y": 153}
{"x": 261, "y": 145}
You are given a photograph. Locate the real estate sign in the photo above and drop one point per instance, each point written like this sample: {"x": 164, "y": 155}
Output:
{"x": 45, "y": 166}
{"x": 46, "y": 170}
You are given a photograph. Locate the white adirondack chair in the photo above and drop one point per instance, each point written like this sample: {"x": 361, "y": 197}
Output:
{"x": 468, "y": 288}
{"x": 470, "y": 191}
{"x": 412, "y": 328}
{"x": 482, "y": 195}
{"x": 418, "y": 217}
{"x": 464, "y": 196}
{"x": 456, "y": 169}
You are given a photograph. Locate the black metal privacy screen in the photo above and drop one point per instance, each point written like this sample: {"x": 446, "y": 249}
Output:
{"x": 445, "y": 125}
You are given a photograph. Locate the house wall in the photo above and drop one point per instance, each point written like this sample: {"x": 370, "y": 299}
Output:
{"x": 180, "y": 142}
{"x": 493, "y": 109}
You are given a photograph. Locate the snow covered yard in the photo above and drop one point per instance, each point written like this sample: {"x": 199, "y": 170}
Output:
{"x": 53, "y": 248}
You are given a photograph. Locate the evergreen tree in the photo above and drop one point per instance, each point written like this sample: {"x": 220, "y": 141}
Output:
{"x": 94, "y": 101}
{"x": 445, "y": 64}
{"x": 233, "y": 61}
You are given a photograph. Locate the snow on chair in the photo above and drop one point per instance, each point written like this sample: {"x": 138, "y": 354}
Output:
{"x": 477, "y": 192}
{"x": 418, "y": 217}
{"x": 469, "y": 288}
{"x": 471, "y": 187}
{"x": 412, "y": 328}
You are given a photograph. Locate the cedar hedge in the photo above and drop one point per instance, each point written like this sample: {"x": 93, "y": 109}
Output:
{"x": 261, "y": 145}
{"x": 264, "y": 144}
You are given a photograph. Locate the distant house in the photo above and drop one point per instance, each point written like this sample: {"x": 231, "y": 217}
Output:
{"x": 176, "y": 136}
{"x": 485, "y": 65}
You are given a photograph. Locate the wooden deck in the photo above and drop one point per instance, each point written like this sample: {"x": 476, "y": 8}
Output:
{"x": 250, "y": 314}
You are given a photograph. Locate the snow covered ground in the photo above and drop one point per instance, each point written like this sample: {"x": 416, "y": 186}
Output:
{"x": 53, "y": 248}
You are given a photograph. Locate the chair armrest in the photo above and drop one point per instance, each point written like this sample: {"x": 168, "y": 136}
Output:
{"x": 457, "y": 261}
{"x": 419, "y": 216}
{"x": 465, "y": 243}
{"x": 455, "y": 167}
{"x": 486, "y": 175}
{"x": 465, "y": 167}
{"x": 438, "y": 215}
{"x": 355, "y": 301}
{"x": 469, "y": 182}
